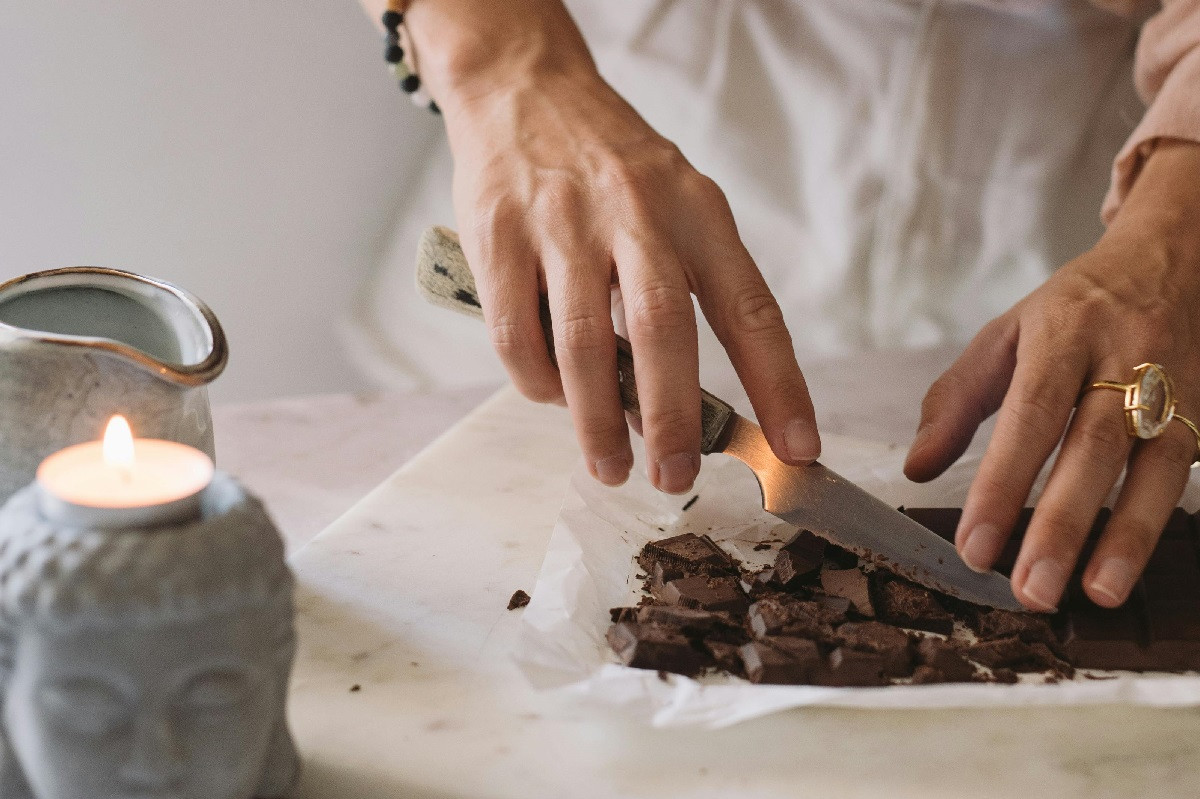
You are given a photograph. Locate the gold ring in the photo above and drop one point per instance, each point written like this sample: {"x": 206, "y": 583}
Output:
{"x": 1150, "y": 403}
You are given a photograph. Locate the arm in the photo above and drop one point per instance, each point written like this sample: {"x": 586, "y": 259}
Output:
{"x": 561, "y": 188}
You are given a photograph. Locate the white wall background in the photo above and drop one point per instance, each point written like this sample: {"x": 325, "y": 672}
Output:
{"x": 245, "y": 149}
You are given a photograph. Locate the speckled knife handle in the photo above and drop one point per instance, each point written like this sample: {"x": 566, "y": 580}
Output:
{"x": 444, "y": 279}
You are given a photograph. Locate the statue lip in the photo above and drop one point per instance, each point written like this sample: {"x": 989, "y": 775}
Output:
{"x": 195, "y": 374}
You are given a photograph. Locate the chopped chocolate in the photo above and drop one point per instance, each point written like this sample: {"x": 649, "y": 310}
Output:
{"x": 892, "y": 645}
{"x": 852, "y": 667}
{"x": 705, "y": 592}
{"x": 686, "y": 554}
{"x": 519, "y": 600}
{"x": 833, "y": 608}
{"x": 688, "y": 505}
{"x": 797, "y": 630}
{"x": 658, "y": 647}
{"x": 908, "y": 605}
{"x": 946, "y": 658}
{"x": 1009, "y": 652}
{"x": 851, "y": 584}
{"x": 927, "y": 675}
{"x": 780, "y": 660}
{"x": 784, "y": 615}
{"x": 798, "y": 558}
{"x": 992, "y": 624}
{"x": 1005, "y": 676}
{"x": 727, "y": 657}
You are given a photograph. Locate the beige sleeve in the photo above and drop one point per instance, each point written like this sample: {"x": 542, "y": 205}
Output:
{"x": 1167, "y": 75}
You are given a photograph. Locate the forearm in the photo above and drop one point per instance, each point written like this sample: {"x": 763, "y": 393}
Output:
{"x": 467, "y": 49}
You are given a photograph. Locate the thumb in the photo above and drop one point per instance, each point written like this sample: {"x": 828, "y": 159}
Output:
{"x": 970, "y": 391}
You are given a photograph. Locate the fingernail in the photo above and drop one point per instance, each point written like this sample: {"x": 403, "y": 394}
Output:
{"x": 614, "y": 470}
{"x": 800, "y": 439}
{"x": 677, "y": 472}
{"x": 1044, "y": 584}
{"x": 977, "y": 547}
{"x": 1114, "y": 580}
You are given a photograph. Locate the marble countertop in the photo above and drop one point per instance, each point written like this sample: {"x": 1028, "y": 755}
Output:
{"x": 404, "y": 684}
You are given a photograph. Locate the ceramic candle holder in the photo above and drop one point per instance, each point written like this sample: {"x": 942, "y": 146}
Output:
{"x": 151, "y": 661}
{"x": 79, "y": 345}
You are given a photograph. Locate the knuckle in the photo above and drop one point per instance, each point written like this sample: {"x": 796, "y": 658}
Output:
{"x": 1136, "y": 537}
{"x": 995, "y": 491}
{"x": 1060, "y": 532}
{"x": 755, "y": 313}
{"x": 660, "y": 308}
{"x": 582, "y": 334}
{"x": 601, "y": 434}
{"x": 1103, "y": 435}
{"x": 539, "y": 391}
{"x": 1037, "y": 407}
{"x": 671, "y": 423}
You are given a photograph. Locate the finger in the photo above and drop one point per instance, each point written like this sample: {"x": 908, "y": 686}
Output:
{"x": 1093, "y": 454}
{"x": 577, "y": 280}
{"x": 1030, "y": 423}
{"x": 970, "y": 391}
{"x": 1157, "y": 476}
{"x": 749, "y": 324}
{"x": 662, "y": 331}
{"x": 507, "y": 279}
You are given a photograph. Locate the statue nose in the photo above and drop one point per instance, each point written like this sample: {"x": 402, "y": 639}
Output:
{"x": 156, "y": 756}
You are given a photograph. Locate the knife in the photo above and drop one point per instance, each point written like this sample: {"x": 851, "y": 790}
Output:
{"x": 811, "y": 497}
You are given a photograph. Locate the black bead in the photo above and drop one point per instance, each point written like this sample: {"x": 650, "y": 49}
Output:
{"x": 392, "y": 20}
{"x": 434, "y": 108}
{"x": 411, "y": 83}
{"x": 394, "y": 54}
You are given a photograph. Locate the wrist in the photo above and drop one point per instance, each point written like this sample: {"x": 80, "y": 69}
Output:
{"x": 467, "y": 54}
{"x": 1162, "y": 211}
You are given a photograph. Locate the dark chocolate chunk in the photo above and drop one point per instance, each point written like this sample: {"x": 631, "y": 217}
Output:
{"x": 852, "y": 667}
{"x": 694, "y": 623}
{"x": 907, "y": 605}
{"x": 992, "y": 624}
{"x": 657, "y": 647}
{"x": 519, "y": 600}
{"x": 784, "y": 615}
{"x": 946, "y": 658}
{"x": 686, "y": 554}
{"x": 927, "y": 675}
{"x": 727, "y": 657}
{"x": 833, "y": 608}
{"x": 892, "y": 645}
{"x": 800, "y": 557}
{"x": 705, "y": 592}
{"x": 1005, "y": 676}
{"x": 780, "y": 660}
{"x": 851, "y": 584}
{"x": 1009, "y": 652}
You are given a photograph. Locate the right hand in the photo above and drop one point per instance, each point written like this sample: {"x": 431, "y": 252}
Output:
{"x": 561, "y": 187}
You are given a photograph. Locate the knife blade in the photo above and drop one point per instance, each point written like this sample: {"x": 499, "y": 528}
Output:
{"x": 811, "y": 497}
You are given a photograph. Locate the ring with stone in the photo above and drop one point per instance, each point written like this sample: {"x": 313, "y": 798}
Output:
{"x": 1150, "y": 403}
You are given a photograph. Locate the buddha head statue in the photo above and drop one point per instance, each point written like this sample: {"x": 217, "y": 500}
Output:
{"x": 147, "y": 663}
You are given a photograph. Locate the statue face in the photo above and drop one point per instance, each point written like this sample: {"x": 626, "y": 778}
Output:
{"x": 160, "y": 712}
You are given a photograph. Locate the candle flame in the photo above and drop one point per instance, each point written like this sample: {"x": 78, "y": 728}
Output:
{"x": 118, "y": 444}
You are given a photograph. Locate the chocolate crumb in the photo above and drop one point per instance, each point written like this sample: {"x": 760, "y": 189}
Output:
{"x": 355, "y": 688}
{"x": 519, "y": 600}
{"x": 691, "y": 502}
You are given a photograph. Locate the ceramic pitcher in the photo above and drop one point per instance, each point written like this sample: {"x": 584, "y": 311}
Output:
{"x": 80, "y": 344}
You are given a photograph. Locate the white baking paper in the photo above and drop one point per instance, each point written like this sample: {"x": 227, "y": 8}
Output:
{"x": 589, "y": 568}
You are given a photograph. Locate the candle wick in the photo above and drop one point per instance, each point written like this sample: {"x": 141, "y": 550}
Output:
{"x": 126, "y": 474}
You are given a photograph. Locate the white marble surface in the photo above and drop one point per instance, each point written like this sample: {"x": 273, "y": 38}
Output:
{"x": 311, "y": 458}
{"x": 404, "y": 597}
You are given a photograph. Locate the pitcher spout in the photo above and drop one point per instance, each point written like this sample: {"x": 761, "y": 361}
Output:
{"x": 147, "y": 322}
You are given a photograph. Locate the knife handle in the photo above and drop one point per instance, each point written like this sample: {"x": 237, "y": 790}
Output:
{"x": 445, "y": 280}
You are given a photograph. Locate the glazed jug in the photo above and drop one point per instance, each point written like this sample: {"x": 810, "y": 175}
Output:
{"x": 81, "y": 344}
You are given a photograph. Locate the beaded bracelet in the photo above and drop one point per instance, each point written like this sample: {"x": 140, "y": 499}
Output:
{"x": 393, "y": 52}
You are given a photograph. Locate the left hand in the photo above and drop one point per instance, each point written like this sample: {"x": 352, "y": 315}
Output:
{"x": 1133, "y": 298}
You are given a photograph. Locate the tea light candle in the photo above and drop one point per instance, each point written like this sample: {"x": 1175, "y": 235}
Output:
{"x": 123, "y": 482}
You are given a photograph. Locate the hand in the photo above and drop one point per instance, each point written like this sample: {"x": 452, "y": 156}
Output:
{"x": 561, "y": 187}
{"x": 1133, "y": 298}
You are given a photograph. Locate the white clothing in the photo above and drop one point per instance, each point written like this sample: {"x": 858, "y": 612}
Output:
{"x": 902, "y": 171}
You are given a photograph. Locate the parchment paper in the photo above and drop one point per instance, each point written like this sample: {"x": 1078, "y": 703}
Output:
{"x": 589, "y": 568}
